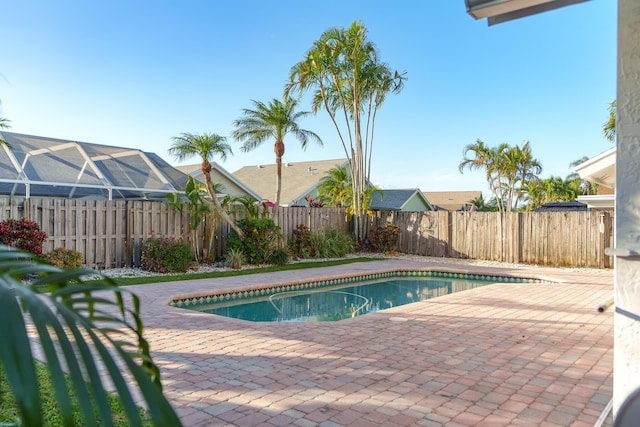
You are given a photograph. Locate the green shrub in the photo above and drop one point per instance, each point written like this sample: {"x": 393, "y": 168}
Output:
{"x": 332, "y": 244}
{"x": 340, "y": 243}
{"x": 385, "y": 238}
{"x": 262, "y": 239}
{"x": 299, "y": 243}
{"x": 64, "y": 258}
{"x": 22, "y": 234}
{"x": 165, "y": 255}
{"x": 235, "y": 258}
{"x": 279, "y": 257}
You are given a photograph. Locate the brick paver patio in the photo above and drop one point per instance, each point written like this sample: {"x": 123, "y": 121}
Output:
{"x": 503, "y": 354}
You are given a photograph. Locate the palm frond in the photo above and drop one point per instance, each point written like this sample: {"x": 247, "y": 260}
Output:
{"x": 90, "y": 332}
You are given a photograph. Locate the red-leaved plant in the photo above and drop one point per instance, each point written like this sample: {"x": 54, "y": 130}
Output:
{"x": 23, "y": 234}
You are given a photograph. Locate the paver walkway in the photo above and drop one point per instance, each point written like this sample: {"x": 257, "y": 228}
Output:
{"x": 502, "y": 354}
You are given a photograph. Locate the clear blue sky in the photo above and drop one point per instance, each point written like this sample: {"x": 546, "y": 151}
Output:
{"x": 136, "y": 73}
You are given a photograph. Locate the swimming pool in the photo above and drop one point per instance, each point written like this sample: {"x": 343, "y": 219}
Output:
{"x": 337, "y": 299}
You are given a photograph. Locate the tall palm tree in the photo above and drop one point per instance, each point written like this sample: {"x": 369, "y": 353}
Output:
{"x": 480, "y": 156}
{"x": 272, "y": 121}
{"x": 350, "y": 82}
{"x": 525, "y": 168}
{"x": 206, "y": 146}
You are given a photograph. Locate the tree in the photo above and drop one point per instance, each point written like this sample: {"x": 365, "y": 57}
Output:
{"x": 609, "y": 127}
{"x": 335, "y": 187}
{"x": 487, "y": 158}
{"x": 274, "y": 120}
{"x": 481, "y": 205}
{"x": 4, "y": 124}
{"x": 80, "y": 328}
{"x": 508, "y": 170}
{"x": 552, "y": 189}
{"x": 348, "y": 80}
{"x": 195, "y": 193}
{"x": 206, "y": 146}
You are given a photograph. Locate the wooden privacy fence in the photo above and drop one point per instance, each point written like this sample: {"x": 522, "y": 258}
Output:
{"x": 575, "y": 239}
{"x": 110, "y": 233}
{"x": 106, "y": 233}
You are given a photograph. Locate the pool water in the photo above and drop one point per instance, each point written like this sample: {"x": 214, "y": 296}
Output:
{"x": 332, "y": 303}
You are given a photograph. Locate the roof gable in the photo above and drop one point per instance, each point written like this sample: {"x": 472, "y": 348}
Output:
{"x": 232, "y": 185}
{"x": 298, "y": 179}
{"x": 402, "y": 199}
{"x": 451, "y": 200}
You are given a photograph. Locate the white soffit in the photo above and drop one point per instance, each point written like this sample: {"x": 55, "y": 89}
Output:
{"x": 600, "y": 169}
{"x": 607, "y": 201}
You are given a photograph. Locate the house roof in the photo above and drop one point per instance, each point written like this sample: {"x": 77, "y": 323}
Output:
{"x": 562, "y": 207}
{"x": 232, "y": 185}
{"x": 41, "y": 166}
{"x": 451, "y": 200}
{"x": 396, "y": 199}
{"x": 298, "y": 179}
{"x": 498, "y": 11}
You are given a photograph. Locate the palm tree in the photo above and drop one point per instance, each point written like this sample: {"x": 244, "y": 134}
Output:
{"x": 206, "y": 146}
{"x": 487, "y": 158}
{"x": 4, "y": 124}
{"x": 274, "y": 120}
{"x": 81, "y": 329}
{"x": 350, "y": 83}
{"x": 335, "y": 187}
{"x": 508, "y": 170}
{"x": 525, "y": 169}
{"x": 195, "y": 193}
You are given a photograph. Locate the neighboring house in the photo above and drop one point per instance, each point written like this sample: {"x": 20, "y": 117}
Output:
{"x": 299, "y": 180}
{"x": 41, "y": 166}
{"x": 408, "y": 200}
{"x": 600, "y": 170}
{"x": 452, "y": 200}
{"x": 562, "y": 207}
{"x": 231, "y": 185}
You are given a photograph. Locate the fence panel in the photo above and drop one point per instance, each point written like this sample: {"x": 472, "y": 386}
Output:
{"x": 110, "y": 233}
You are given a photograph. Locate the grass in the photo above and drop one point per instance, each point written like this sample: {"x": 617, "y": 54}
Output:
{"x": 9, "y": 413}
{"x": 127, "y": 281}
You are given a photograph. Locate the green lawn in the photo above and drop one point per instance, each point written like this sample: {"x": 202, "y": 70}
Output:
{"x": 9, "y": 410}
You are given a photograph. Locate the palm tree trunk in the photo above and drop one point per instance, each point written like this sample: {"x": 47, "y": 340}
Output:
{"x": 278, "y": 148}
{"x": 206, "y": 171}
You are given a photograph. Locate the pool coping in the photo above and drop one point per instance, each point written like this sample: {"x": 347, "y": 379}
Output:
{"x": 256, "y": 290}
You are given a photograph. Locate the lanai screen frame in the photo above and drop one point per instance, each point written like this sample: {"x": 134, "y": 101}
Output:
{"x": 34, "y": 165}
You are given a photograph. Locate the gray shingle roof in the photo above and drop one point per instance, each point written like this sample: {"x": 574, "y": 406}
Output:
{"x": 395, "y": 199}
{"x": 298, "y": 179}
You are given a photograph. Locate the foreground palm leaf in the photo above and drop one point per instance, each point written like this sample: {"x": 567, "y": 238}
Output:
{"x": 91, "y": 332}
